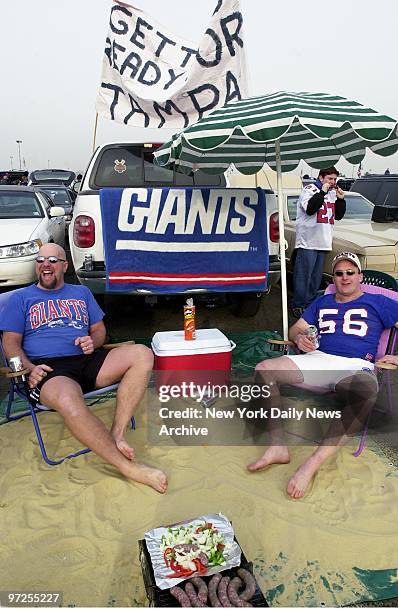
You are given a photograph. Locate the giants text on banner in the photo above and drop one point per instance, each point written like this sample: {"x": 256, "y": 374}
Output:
{"x": 151, "y": 78}
{"x": 174, "y": 240}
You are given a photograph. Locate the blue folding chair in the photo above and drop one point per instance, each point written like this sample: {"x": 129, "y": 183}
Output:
{"x": 18, "y": 388}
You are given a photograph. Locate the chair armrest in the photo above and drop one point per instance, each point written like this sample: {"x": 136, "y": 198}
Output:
{"x": 281, "y": 342}
{"x": 112, "y": 345}
{"x": 385, "y": 366}
{"x": 9, "y": 374}
{"x": 282, "y": 346}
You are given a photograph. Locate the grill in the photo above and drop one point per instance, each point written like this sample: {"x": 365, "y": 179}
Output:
{"x": 162, "y": 599}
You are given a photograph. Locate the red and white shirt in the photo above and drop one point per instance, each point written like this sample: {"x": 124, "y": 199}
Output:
{"x": 315, "y": 231}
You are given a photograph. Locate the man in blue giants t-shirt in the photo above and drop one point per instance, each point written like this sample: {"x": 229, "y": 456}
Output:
{"x": 58, "y": 331}
{"x": 350, "y": 323}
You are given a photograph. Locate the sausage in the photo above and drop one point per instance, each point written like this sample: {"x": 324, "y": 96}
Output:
{"x": 203, "y": 558}
{"x": 213, "y": 584}
{"x": 233, "y": 596}
{"x": 222, "y": 592}
{"x": 249, "y": 582}
{"x": 193, "y": 598}
{"x": 202, "y": 588}
{"x": 181, "y": 597}
{"x": 185, "y": 547}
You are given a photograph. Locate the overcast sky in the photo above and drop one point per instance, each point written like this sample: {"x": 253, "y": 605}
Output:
{"x": 52, "y": 52}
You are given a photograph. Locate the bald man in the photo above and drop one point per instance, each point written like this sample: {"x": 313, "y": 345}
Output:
{"x": 57, "y": 329}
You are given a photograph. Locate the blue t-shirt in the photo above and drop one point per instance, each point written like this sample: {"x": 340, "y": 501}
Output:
{"x": 50, "y": 320}
{"x": 352, "y": 329}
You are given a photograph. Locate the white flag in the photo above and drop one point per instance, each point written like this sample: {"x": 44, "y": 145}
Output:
{"x": 151, "y": 78}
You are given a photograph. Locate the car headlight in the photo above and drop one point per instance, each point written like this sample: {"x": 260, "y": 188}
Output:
{"x": 20, "y": 250}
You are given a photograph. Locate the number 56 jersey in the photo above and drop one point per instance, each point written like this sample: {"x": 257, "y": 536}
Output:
{"x": 352, "y": 329}
{"x": 315, "y": 231}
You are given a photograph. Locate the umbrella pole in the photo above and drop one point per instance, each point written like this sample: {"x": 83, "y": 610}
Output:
{"x": 281, "y": 239}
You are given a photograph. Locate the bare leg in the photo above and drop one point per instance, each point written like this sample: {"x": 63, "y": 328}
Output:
{"x": 65, "y": 396}
{"x": 131, "y": 365}
{"x": 274, "y": 372}
{"x": 359, "y": 394}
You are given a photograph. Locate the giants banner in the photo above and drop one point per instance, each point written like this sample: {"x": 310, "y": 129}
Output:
{"x": 174, "y": 240}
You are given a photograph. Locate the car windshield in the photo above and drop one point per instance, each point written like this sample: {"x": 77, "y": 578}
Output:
{"x": 133, "y": 166}
{"x": 357, "y": 207}
{"x": 47, "y": 175}
{"x": 18, "y": 205}
{"x": 58, "y": 195}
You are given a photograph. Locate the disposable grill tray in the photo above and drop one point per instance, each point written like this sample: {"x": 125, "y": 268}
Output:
{"x": 162, "y": 599}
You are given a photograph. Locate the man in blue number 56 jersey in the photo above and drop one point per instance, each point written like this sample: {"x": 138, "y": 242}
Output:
{"x": 349, "y": 323}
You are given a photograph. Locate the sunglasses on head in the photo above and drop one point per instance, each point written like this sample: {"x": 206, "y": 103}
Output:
{"x": 52, "y": 259}
{"x": 348, "y": 272}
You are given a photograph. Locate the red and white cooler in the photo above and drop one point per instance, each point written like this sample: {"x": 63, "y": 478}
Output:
{"x": 210, "y": 352}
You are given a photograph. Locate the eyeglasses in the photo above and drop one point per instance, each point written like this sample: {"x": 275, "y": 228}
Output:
{"x": 52, "y": 259}
{"x": 341, "y": 272}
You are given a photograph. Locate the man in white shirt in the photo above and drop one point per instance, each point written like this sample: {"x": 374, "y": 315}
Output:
{"x": 320, "y": 203}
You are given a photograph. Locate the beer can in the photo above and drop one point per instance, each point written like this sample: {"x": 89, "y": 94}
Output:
{"x": 15, "y": 364}
{"x": 312, "y": 333}
{"x": 88, "y": 263}
{"x": 189, "y": 321}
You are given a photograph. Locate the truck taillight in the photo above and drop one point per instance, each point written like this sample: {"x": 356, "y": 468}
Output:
{"x": 274, "y": 227}
{"x": 84, "y": 231}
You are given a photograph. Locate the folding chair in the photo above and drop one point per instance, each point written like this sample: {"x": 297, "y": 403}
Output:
{"x": 18, "y": 388}
{"x": 379, "y": 279}
{"x": 376, "y": 283}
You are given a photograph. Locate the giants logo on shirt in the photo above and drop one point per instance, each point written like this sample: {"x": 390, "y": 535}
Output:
{"x": 43, "y": 313}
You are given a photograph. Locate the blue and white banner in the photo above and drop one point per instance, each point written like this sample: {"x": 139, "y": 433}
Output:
{"x": 175, "y": 240}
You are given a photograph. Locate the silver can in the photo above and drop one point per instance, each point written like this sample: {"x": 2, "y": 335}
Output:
{"x": 312, "y": 333}
{"x": 88, "y": 263}
{"x": 15, "y": 364}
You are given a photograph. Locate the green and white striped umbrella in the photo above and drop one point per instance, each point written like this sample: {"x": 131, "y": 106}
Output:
{"x": 315, "y": 127}
{"x": 281, "y": 129}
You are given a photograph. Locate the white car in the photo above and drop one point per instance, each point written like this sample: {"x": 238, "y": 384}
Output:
{"x": 28, "y": 219}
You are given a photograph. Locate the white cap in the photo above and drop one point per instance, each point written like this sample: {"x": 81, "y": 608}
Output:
{"x": 349, "y": 257}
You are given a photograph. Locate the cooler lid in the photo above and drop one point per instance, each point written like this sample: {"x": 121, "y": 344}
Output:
{"x": 213, "y": 339}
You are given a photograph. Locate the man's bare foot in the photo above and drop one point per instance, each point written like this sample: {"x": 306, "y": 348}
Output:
{"x": 139, "y": 472}
{"x": 273, "y": 455}
{"x": 301, "y": 479}
{"x": 125, "y": 448}
{"x": 123, "y": 445}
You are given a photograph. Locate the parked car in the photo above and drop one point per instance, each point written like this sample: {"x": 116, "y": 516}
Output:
{"x": 130, "y": 165}
{"x": 61, "y": 196}
{"x": 52, "y": 176}
{"x": 376, "y": 244}
{"x": 28, "y": 219}
{"x": 382, "y": 190}
{"x": 13, "y": 176}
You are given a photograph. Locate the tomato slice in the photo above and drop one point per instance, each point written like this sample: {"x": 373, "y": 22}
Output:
{"x": 200, "y": 568}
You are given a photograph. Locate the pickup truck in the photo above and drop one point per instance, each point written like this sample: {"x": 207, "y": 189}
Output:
{"x": 130, "y": 166}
